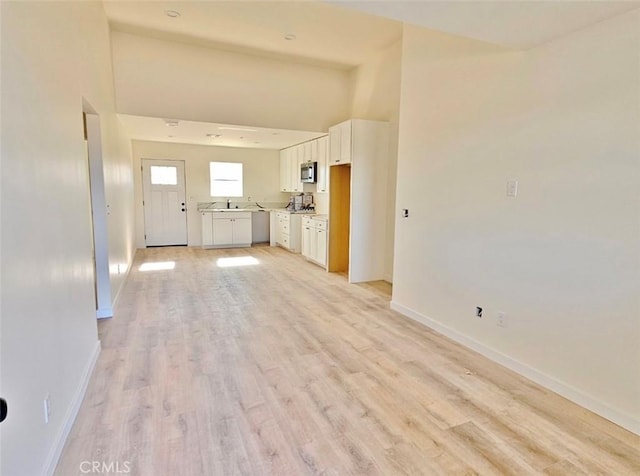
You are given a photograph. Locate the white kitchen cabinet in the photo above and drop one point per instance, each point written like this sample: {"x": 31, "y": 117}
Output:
{"x": 306, "y": 151}
{"x": 298, "y": 158}
{"x": 290, "y": 160}
{"x": 288, "y": 230}
{"x": 307, "y": 233}
{"x": 340, "y": 143}
{"x": 226, "y": 229}
{"x": 313, "y": 145}
{"x": 293, "y": 157}
{"x": 358, "y": 199}
{"x": 322, "y": 181}
{"x": 321, "y": 246}
{"x": 222, "y": 231}
{"x": 207, "y": 228}
{"x": 314, "y": 239}
{"x": 285, "y": 170}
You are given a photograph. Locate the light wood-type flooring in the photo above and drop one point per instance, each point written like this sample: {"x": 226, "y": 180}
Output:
{"x": 279, "y": 368}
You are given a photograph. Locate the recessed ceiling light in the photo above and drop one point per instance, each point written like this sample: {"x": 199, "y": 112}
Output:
{"x": 171, "y": 122}
{"x": 213, "y": 136}
{"x": 172, "y": 13}
{"x": 290, "y": 37}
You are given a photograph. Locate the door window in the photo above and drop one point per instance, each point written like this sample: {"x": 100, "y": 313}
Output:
{"x": 164, "y": 175}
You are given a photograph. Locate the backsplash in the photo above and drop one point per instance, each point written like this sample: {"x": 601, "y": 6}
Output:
{"x": 239, "y": 204}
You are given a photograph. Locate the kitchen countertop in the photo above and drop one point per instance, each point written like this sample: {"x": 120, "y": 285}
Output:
{"x": 226, "y": 210}
{"x": 239, "y": 206}
{"x": 210, "y": 207}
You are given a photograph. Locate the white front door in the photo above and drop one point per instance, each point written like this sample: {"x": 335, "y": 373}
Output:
{"x": 165, "y": 213}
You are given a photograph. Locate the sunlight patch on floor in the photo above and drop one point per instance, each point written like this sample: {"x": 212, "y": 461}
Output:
{"x": 157, "y": 266}
{"x": 236, "y": 261}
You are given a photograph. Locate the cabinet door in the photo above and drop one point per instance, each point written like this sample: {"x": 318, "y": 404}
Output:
{"x": 306, "y": 151}
{"x": 306, "y": 241}
{"x": 323, "y": 168}
{"x": 207, "y": 228}
{"x": 285, "y": 170}
{"x": 334, "y": 144}
{"x": 241, "y": 231}
{"x": 345, "y": 142}
{"x": 340, "y": 143}
{"x": 296, "y": 162}
{"x": 281, "y": 229}
{"x": 314, "y": 150}
{"x": 321, "y": 246}
{"x": 222, "y": 231}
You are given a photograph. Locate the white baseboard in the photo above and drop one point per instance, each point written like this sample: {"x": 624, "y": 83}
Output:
{"x": 584, "y": 400}
{"x": 70, "y": 416}
{"x": 123, "y": 283}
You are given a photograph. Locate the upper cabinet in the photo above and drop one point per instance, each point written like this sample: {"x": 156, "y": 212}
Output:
{"x": 340, "y": 143}
{"x": 322, "y": 184}
{"x": 297, "y": 159}
{"x": 292, "y": 158}
{"x": 285, "y": 170}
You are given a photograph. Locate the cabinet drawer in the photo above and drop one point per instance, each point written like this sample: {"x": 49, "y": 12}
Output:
{"x": 284, "y": 227}
{"x": 307, "y": 221}
{"x": 285, "y": 241}
{"x": 319, "y": 224}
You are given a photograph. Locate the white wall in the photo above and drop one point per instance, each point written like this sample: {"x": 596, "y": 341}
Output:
{"x": 261, "y": 169}
{"x": 563, "y": 258}
{"x": 53, "y": 56}
{"x": 205, "y": 84}
{"x": 118, "y": 178}
{"x": 376, "y": 96}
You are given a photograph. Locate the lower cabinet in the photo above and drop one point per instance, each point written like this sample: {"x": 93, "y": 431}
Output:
{"x": 226, "y": 229}
{"x": 288, "y": 231}
{"x": 314, "y": 240}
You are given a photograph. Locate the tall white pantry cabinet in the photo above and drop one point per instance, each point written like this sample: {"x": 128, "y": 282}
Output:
{"x": 359, "y": 153}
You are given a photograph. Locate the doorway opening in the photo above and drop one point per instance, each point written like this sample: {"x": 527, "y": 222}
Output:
{"x": 98, "y": 218}
{"x": 339, "y": 217}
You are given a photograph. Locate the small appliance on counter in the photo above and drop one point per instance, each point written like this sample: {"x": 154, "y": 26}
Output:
{"x": 301, "y": 203}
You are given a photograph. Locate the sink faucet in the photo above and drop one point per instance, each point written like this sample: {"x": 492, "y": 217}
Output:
{"x": 228, "y": 203}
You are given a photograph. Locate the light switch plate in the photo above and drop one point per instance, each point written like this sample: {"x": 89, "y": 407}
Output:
{"x": 512, "y": 188}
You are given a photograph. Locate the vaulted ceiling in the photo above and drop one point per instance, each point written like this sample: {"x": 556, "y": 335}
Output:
{"x": 336, "y": 34}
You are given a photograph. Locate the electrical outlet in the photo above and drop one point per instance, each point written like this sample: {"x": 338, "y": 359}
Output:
{"x": 47, "y": 409}
{"x": 501, "y": 320}
{"x": 478, "y": 311}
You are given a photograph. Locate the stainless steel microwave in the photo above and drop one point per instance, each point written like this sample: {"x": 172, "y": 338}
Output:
{"x": 308, "y": 172}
